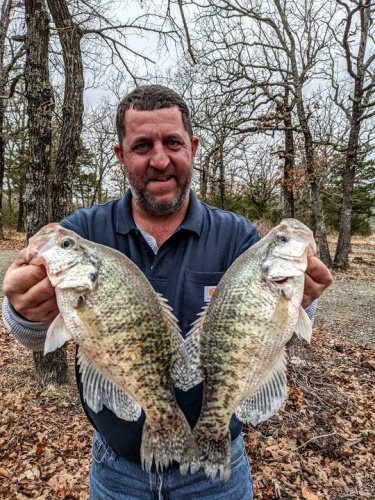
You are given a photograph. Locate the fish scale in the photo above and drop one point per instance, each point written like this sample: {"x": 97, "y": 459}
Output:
{"x": 239, "y": 340}
{"x": 130, "y": 346}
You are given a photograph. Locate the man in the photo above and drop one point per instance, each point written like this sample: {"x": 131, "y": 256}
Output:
{"x": 183, "y": 247}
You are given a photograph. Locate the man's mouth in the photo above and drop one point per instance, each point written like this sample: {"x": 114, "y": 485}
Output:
{"x": 165, "y": 178}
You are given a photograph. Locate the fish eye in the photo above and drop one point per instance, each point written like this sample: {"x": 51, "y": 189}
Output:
{"x": 67, "y": 243}
{"x": 281, "y": 238}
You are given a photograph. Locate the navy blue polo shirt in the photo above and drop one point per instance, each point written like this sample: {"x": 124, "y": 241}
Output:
{"x": 184, "y": 270}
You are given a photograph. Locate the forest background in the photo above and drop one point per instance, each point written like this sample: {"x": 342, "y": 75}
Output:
{"x": 282, "y": 98}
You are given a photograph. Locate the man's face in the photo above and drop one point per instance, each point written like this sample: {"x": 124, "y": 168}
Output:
{"x": 157, "y": 155}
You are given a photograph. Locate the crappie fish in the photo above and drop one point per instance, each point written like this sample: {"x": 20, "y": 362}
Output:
{"x": 239, "y": 339}
{"x": 130, "y": 346}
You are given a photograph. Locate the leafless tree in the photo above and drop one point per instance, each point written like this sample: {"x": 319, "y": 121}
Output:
{"x": 265, "y": 53}
{"x": 10, "y": 53}
{"x": 358, "y": 45}
{"x": 16, "y": 156}
{"x": 98, "y": 162}
{"x": 40, "y": 104}
{"x": 70, "y": 35}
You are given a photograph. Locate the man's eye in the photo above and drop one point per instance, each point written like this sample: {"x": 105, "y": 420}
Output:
{"x": 142, "y": 146}
{"x": 173, "y": 143}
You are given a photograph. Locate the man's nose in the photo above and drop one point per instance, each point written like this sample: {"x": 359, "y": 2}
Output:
{"x": 159, "y": 158}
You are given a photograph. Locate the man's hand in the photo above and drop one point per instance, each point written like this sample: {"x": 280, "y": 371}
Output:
{"x": 317, "y": 278}
{"x": 29, "y": 291}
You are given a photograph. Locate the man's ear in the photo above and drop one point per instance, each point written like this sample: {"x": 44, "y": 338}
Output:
{"x": 194, "y": 145}
{"x": 118, "y": 152}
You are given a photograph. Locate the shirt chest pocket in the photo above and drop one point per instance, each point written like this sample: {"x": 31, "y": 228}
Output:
{"x": 198, "y": 290}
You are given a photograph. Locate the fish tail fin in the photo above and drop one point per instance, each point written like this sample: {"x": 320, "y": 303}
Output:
{"x": 172, "y": 442}
{"x": 215, "y": 456}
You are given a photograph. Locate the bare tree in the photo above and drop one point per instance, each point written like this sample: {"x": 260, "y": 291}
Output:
{"x": 16, "y": 156}
{"x": 4, "y": 24}
{"x": 265, "y": 53}
{"x": 260, "y": 178}
{"x": 53, "y": 367}
{"x": 7, "y": 83}
{"x": 39, "y": 108}
{"x": 71, "y": 125}
{"x": 358, "y": 46}
{"x": 98, "y": 164}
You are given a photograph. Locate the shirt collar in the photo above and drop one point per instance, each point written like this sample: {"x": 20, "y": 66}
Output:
{"x": 125, "y": 223}
{"x": 194, "y": 215}
{"x": 123, "y": 216}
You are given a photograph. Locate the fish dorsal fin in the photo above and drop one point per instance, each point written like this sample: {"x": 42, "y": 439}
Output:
{"x": 98, "y": 390}
{"x": 167, "y": 312}
{"x": 303, "y": 328}
{"x": 192, "y": 340}
{"x": 183, "y": 372}
{"x": 269, "y": 398}
{"x": 57, "y": 335}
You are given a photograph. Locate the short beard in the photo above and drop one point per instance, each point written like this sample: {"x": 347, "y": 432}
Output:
{"x": 162, "y": 209}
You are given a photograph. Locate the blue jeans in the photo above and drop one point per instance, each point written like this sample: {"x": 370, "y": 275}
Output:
{"x": 113, "y": 477}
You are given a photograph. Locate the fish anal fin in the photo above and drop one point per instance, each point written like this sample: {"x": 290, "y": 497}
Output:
{"x": 98, "y": 390}
{"x": 269, "y": 398}
{"x": 57, "y": 335}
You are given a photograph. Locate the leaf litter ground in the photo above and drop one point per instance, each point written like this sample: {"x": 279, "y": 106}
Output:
{"x": 320, "y": 446}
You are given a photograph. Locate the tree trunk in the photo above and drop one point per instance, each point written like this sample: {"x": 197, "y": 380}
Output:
{"x": 341, "y": 260}
{"x": 203, "y": 178}
{"x": 70, "y": 37}
{"x": 40, "y": 106}
{"x": 23, "y": 156}
{"x": 317, "y": 203}
{"x": 298, "y": 81}
{"x": 221, "y": 177}
{"x": 288, "y": 184}
{"x": 21, "y": 211}
{"x": 4, "y": 23}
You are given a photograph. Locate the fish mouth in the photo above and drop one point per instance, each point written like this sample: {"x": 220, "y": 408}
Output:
{"x": 300, "y": 233}
{"x": 38, "y": 252}
{"x": 39, "y": 244}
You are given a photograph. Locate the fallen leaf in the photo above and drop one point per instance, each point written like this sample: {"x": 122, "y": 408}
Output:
{"x": 307, "y": 494}
{"x": 4, "y": 472}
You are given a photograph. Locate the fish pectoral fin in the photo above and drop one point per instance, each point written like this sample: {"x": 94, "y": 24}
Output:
{"x": 269, "y": 398}
{"x": 186, "y": 370}
{"x": 98, "y": 390}
{"x": 57, "y": 335}
{"x": 303, "y": 328}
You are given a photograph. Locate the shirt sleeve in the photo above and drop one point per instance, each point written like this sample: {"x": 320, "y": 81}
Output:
{"x": 311, "y": 310}
{"x": 29, "y": 334}
{"x": 76, "y": 223}
{"x": 33, "y": 334}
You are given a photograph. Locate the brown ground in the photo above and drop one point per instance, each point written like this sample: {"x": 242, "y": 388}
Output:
{"x": 320, "y": 446}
